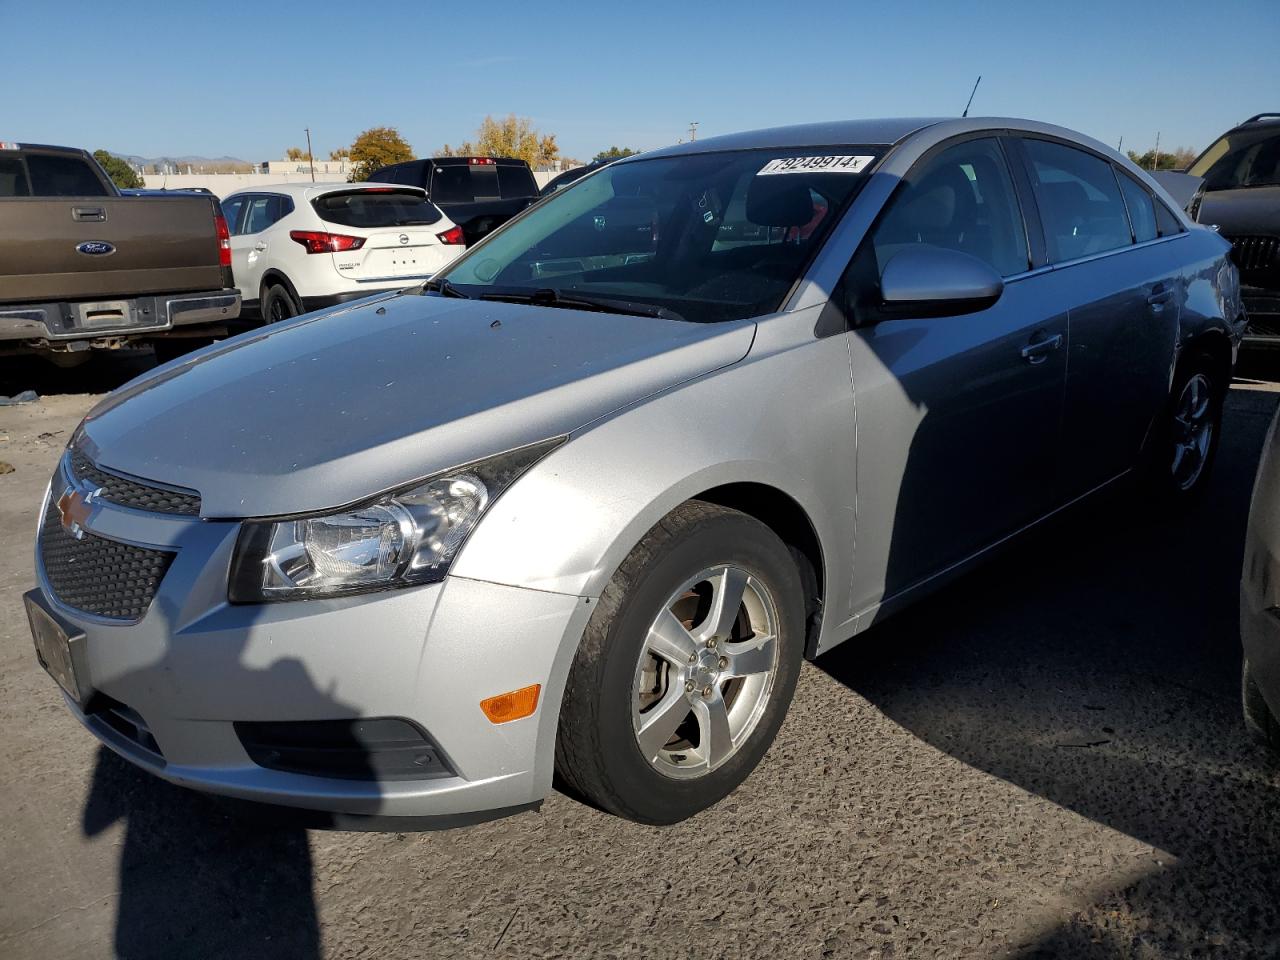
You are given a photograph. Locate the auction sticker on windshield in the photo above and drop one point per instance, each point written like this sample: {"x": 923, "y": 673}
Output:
{"x": 815, "y": 165}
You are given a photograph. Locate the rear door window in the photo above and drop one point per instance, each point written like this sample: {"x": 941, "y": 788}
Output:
{"x": 1142, "y": 211}
{"x": 962, "y": 199}
{"x": 13, "y": 178}
{"x": 1080, "y": 202}
{"x": 265, "y": 210}
{"x": 371, "y": 209}
{"x": 54, "y": 176}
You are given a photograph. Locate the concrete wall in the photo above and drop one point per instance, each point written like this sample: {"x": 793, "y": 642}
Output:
{"x": 223, "y": 184}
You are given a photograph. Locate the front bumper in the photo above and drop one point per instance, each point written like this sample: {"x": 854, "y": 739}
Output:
{"x": 1262, "y": 307}
{"x": 194, "y": 665}
{"x": 67, "y": 322}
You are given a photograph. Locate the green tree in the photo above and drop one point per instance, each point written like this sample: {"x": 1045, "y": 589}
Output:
{"x": 614, "y": 153}
{"x": 377, "y": 147}
{"x": 510, "y": 136}
{"x": 1178, "y": 159}
{"x": 295, "y": 153}
{"x": 121, "y": 174}
{"x": 340, "y": 154}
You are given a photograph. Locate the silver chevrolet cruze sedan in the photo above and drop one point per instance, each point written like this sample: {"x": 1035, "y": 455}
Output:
{"x": 582, "y": 503}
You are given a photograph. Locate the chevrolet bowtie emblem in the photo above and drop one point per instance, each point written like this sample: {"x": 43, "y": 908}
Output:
{"x": 74, "y": 507}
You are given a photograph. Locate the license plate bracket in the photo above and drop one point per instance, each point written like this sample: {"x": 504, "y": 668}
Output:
{"x": 60, "y": 647}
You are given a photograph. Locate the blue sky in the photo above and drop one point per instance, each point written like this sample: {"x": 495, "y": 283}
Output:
{"x": 243, "y": 79}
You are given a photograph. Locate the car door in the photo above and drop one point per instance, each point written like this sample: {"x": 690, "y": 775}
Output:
{"x": 1126, "y": 299}
{"x": 254, "y": 249}
{"x": 957, "y": 416}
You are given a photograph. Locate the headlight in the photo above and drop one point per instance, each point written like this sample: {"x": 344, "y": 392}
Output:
{"x": 401, "y": 538}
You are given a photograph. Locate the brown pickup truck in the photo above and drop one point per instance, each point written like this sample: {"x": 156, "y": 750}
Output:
{"x": 84, "y": 268}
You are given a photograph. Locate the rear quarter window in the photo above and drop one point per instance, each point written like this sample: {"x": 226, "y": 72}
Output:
{"x": 1142, "y": 211}
{"x": 371, "y": 209}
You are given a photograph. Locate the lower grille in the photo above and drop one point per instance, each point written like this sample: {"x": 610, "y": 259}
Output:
{"x": 128, "y": 723}
{"x": 375, "y": 748}
{"x": 99, "y": 576}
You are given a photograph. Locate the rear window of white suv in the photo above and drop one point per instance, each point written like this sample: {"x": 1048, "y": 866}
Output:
{"x": 380, "y": 207}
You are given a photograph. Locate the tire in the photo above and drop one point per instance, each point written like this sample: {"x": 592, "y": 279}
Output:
{"x": 1182, "y": 447}
{"x": 1258, "y": 718}
{"x": 277, "y": 304}
{"x": 621, "y": 692}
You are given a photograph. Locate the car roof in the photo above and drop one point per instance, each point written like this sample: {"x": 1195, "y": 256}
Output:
{"x": 1260, "y": 120}
{"x": 870, "y": 132}
{"x": 307, "y": 190}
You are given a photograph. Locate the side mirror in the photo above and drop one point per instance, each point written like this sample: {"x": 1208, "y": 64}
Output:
{"x": 926, "y": 281}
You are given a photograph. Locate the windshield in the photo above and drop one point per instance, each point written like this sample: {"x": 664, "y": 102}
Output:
{"x": 708, "y": 237}
{"x": 1243, "y": 158}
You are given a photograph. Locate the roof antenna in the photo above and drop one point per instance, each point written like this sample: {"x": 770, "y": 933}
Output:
{"x": 971, "y": 93}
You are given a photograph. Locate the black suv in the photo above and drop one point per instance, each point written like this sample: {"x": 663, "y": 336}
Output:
{"x": 476, "y": 193}
{"x": 1241, "y": 172}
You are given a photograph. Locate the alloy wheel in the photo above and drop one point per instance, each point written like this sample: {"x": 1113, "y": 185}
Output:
{"x": 1193, "y": 425}
{"x": 706, "y": 672}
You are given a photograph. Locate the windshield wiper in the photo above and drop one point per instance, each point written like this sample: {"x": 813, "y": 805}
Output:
{"x": 444, "y": 286}
{"x": 547, "y": 297}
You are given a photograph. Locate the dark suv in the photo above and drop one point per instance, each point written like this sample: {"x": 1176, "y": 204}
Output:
{"x": 1241, "y": 172}
{"x": 476, "y": 193}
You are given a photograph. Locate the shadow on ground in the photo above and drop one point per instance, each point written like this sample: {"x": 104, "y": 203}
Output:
{"x": 1097, "y": 665}
{"x": 99, "y": 373}
{"x": 202, "y": 876}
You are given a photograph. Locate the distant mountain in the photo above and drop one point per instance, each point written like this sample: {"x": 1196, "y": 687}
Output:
{"x": 194, "y": 161}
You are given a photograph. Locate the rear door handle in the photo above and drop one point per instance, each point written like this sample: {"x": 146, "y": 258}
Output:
{"x": 88, "y": 214}
{"x": 1038, "y": 351}
{"x": 260, "y": 246}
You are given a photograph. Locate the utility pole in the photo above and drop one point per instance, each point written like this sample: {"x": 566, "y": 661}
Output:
{"x": 1120, "y": 144}
{"x": 310, "y": 160}
{"x": 1155, "y": 164}
{"x": 693, "y": 131}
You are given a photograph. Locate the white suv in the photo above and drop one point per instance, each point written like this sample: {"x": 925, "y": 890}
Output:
{"x": 297, "y": 247}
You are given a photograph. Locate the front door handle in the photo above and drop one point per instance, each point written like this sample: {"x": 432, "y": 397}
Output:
{"x": 1038, "y": 351}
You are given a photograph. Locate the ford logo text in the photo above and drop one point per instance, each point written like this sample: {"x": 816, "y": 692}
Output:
{"x": 95, "y": 248}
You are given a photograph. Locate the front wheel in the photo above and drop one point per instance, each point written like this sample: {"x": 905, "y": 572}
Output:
{"x": 686, "y": 669}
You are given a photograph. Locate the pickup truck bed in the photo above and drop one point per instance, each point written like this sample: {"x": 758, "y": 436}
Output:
{"x": 95, "y": 269}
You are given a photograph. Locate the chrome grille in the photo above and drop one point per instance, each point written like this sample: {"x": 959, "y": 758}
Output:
{"x": 100, "y": 576}
{"x": 132, "y": 493}
{"x": 1255, "y": 254}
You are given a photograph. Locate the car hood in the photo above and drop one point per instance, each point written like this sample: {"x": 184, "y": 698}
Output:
{"x": 329, "y": 409}
{"x": 1246, "y": 212}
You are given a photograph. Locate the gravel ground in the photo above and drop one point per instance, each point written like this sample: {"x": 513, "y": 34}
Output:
{"x": 1044, "y": 760}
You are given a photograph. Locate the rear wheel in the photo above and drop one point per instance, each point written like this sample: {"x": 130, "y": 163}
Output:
{"x": 1184, "y": 442}
{"x": 686, "y": 669}
{"x": 277, "y": 304}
